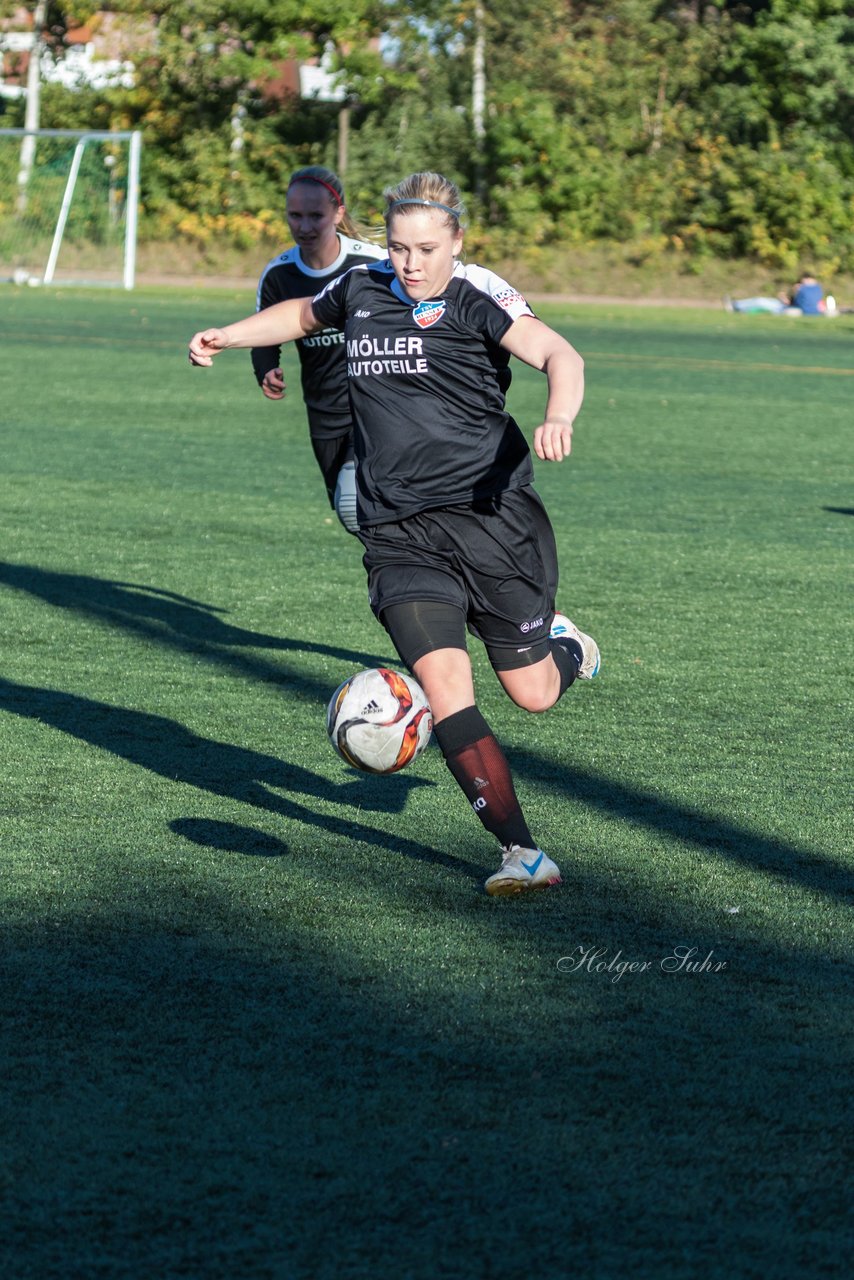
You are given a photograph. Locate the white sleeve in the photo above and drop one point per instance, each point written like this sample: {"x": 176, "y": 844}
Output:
{"x": 504, "y": 294}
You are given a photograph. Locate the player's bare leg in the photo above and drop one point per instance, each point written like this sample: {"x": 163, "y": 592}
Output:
{"x": 445, "y": 676}
{"x": 574, "y": 656}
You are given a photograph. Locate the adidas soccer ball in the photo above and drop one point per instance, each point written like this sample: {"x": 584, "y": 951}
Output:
{"x": 379, "y": 720}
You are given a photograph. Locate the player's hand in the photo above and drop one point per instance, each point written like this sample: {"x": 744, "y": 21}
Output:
{"x": 205, "y": 345}
{"x": 553, "y": 440}
{"x": 273, "y": 384}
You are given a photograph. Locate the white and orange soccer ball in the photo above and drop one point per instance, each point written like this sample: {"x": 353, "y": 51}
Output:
{"x": 379, "y": 720}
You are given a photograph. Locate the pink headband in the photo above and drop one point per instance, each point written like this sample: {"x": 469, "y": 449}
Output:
{"x": 308, "y": 177}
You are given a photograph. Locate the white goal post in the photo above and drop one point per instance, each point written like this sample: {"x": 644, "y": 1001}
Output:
{"x": 68, "y": 206}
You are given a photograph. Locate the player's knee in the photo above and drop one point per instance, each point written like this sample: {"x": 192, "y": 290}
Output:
{"x": 533, "y": 688}
{"x": 536, "y": 700}
{"x": 345, "y": 497}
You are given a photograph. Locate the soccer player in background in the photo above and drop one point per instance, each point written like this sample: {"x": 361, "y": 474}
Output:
{"x": 455, "y": 536}
{"x": 326, "y": 243}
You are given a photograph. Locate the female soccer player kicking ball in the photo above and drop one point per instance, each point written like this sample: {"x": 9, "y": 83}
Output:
{"x": 455, "y": 536}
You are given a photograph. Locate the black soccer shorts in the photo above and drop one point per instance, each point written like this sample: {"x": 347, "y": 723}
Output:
{"x": 494, "y": 560}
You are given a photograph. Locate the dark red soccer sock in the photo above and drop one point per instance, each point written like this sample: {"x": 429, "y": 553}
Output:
{"x": 480, "y": 767}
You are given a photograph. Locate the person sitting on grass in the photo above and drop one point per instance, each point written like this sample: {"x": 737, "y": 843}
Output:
{"x": 806, "y": 298}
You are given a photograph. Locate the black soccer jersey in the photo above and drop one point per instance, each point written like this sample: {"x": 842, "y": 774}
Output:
{"x": 323, "y": 365}
{"x": 427, "y": 386}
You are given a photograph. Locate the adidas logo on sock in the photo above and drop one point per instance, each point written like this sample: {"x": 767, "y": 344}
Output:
{"x": 480, "y": 783}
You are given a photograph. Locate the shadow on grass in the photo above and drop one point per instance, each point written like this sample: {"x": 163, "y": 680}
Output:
{"x": 168, "y": 748}
{"x": 229, "y": 837}
{"x": 187, "y": 1085}
{"x": 737, "y": 844}
{"x": 840, "y": 511}
{"x": 173, "y": 619}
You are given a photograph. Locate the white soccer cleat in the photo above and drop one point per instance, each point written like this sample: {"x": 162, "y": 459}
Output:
{"x": 522, "y": 870}
{"x": 563, "y": 629}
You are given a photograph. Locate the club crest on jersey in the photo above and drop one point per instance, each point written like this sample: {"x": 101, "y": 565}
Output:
{"x": 428, "y": 313}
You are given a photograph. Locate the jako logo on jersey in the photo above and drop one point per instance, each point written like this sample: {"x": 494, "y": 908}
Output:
{"x": 428, "y": 313}
{"x": 529, "y": 626}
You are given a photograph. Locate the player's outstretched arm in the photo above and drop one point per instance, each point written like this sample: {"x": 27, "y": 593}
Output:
{"x": 542, "y": 348}
{"x": 284, "y": 322}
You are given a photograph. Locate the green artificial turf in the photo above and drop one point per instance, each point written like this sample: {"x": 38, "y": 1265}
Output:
{"x": 258, "y": 1017}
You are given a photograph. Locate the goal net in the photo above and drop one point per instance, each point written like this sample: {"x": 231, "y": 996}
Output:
{"x": 68, "y": 206}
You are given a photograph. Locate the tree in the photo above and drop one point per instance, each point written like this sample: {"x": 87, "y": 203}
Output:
{"x": 706, "y": 126}
{"x": 48, "y": 23}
